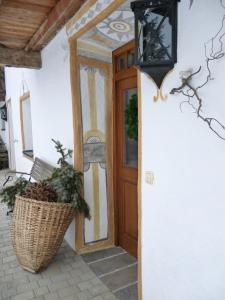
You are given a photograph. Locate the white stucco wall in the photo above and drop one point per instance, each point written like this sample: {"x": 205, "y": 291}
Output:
{"x": 184, "y": 211}
{"x": 183, "y": 217}
{"x": 51, "y": 105}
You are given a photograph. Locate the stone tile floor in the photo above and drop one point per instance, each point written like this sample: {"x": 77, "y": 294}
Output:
{"x": 67, "y": 277}
{"x": 117, "y": 269}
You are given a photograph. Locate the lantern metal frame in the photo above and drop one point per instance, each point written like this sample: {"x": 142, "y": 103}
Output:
{"x": 157, "y": 69}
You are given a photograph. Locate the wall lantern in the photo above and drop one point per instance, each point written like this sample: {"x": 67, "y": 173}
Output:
{"x": 155, "y": 37}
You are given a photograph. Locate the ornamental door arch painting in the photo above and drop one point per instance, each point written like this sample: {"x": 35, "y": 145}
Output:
{"x": 95, "y": 101}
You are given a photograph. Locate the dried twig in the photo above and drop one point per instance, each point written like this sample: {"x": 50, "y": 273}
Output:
{"x": 192, "y": 93}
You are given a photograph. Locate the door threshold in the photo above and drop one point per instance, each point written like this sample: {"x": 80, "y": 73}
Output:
{"x": 117, "y": 269}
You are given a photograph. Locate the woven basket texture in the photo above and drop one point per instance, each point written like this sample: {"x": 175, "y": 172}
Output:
{"x": 37, "y": 231}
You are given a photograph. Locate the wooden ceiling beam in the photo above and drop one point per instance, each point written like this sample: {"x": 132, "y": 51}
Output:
{"x": 20, "y": 58}
{"x": 58, "y": 16}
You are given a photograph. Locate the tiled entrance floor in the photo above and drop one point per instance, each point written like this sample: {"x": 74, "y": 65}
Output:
{"x": 116, "y": 269}
{"x": 68, "y": 277}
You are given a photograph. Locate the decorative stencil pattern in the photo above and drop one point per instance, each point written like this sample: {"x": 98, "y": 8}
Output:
{"x": 114, "y": 31}
{"x": 94, "y": 152}
{"x": 93, "y": 104}
{"x": 119, "y": 26}
{"x": 98, "y": 7}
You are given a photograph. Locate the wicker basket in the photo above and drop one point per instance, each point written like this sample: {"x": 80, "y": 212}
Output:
{"x": 37, "y": 231}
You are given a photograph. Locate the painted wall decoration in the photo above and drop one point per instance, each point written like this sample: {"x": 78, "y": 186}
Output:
{"x": 114, "y": 31}
{"x": 119, "y": 26}
{"x": 88, "y": 49}
{"x": 94, "y": 11}
{"x": 93, "y": 104}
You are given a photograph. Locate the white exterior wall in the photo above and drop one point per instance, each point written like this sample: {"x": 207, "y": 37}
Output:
{"x": 184, "y": 211}
{"x": 51, "y": 106}
{"x": 183, "y": 217}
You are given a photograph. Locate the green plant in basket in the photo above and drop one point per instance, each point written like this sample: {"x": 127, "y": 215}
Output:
{"x": 8, "y": 194}
{"x": 65, "y": 186}
{"x": 67, "y": 182}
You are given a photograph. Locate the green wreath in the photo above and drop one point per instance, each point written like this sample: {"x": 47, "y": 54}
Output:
{"x": 131, "y": 118}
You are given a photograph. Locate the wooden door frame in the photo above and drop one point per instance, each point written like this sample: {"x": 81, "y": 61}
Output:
{"x": 116, "y": 79}
{"x": 76, "y": 110}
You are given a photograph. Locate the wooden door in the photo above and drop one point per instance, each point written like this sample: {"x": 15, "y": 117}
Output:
{"x": 126, "y": 164}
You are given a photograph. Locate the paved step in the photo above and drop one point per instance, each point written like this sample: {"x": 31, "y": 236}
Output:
{"x": 101, "y": 254}
{"x": 128, "y": 293}
{"x": 121, "y": 278}
{"x": 100, "y": 268}
{"x": 116, "y": 269}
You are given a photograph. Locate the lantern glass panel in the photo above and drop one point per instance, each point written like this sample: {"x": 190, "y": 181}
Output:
{"x": 155, "y": 36}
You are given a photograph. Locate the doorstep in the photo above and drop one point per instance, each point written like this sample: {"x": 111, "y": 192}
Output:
{"x": 116, "y": 269}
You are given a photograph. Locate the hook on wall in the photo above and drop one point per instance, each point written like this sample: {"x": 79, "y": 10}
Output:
{"x": 160, "y": 94}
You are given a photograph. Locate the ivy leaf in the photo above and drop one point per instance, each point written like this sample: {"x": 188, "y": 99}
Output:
{"x": 131, "y": 118}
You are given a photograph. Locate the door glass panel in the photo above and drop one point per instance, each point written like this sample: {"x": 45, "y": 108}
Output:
{"x": 130, "y": 59}
{"x": 130, "y": 128}
{"x": 121, "y": 63}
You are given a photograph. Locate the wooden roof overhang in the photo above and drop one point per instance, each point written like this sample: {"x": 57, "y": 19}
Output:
{"x": 26, "y": 26}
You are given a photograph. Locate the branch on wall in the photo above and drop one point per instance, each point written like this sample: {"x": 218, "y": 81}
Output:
{"x": 214, "y": 51}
